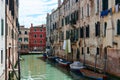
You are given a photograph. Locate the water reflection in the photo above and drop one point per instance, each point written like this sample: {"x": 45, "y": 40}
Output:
{"x": 33, "y": 68}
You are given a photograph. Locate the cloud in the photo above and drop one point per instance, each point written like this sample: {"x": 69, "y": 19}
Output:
{"x": 35, "y": 11}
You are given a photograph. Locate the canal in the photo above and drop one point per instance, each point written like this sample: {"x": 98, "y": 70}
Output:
{"x": 34, "y": 68}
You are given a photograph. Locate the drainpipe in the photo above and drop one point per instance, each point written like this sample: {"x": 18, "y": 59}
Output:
{"x": 5, "y": 41}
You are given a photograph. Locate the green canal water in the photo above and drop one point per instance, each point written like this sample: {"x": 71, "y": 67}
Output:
{"x": 34, "y": 68}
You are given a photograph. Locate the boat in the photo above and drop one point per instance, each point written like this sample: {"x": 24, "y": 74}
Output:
{"x": 52, "y": 58}
{"x": 63, "y": 62}
{"x": 44, "y": 55}
{"x": 93, "y": 75}
{"x": 76, "y": 66}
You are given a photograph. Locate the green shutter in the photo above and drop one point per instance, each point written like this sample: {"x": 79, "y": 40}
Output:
{"x": 2, "y": 27}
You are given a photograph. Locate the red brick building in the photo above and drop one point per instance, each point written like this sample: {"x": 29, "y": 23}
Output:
{"x": 37, "y": 38}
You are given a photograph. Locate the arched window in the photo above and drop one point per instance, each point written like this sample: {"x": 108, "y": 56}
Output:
{"x": 25, "y": 32}
{"x": 81, "y": 32}
{"x": 97, "y": 29}
{"x": 87, "y": 31}
{"x": 105, "y": 27}
{"x": 118, "y": 27}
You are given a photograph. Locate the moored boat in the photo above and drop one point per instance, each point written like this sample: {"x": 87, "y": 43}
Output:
{"x": 52, "y": 58}
{"x": 93, "y": 75}
{"x": 76, "y": 66}
{"x": 44, "y": 55}
{"x": 63, "y": 62}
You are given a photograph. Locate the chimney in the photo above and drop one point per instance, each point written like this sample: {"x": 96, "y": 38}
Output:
{"x": 31, "y": 25}
{"x": 59, "y": 3}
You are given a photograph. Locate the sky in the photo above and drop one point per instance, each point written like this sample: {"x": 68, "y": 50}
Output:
{"x": 35, "y": 11}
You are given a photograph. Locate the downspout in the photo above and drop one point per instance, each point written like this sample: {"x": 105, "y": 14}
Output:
{"x": 5, "y": 41}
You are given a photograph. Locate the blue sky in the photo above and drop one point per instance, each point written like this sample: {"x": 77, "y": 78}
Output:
{"x": 35, "y": 11}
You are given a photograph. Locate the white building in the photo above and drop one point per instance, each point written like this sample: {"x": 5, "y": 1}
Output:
{"x": 2, "y": 39}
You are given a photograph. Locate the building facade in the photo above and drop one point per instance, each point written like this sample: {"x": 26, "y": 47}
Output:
{"x": 23, "y": 40}
{"x": 2, "y": 39}
{"x": 37, "y": 38}
{"x": 92, "y": 27}
{"x": 12, "y": 27}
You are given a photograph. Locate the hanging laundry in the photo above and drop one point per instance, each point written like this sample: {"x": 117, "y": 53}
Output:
{"x": 116, "y": 8}
{"x": 64, "y": 45}
{"x": 69, "y": 46}
{"x": 113, "y": 9}
{"x": 104, "y": 13}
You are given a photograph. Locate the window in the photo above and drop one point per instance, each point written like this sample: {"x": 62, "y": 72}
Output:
{"x": 41, "y": 35}
{"x": 25, "y": 39}
{"x": 1, "y": 56}
{"x": 2, "y": 27}
{"x": 81, "y": 32}
{"x": 34, "y": 41}
{"x": 12, "y": 34}
{"x": 35, "y": 29}
{"x": 105, "y": 4}
{"x": 117, "y": 2}
{"x": 67, "y": 34}
{"x": 98, "y": 51}
{"x": 77, "y": 15}
{"x": 62, "y": 22}
{"x": 105, "y": 27}
{"x": 82, "y": 12}
{"x": 20, "y": 40}
{"x": 19, "y": 32}
{"x": 6, "y": 1}
{"x": 88, "y": 50}
{"x": 41, "y": 30}
{"x": 78, "y": 54}
{"x": 118, "y": 27}
{"x": 76, "y": 34}
{"x": 35, "y": 35}
{"x": 55, "y": 25}
{"x": 87, "y": 31}
{"x": 25, "y": 32}
{"x": 87, "y": 9}
{"x": 76, "y": 0}
{"x": 25, "y": 46}
{"x": 98, "y": 5}
{"x": 40, "y": 42}
{"x": 97, "y": 29}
